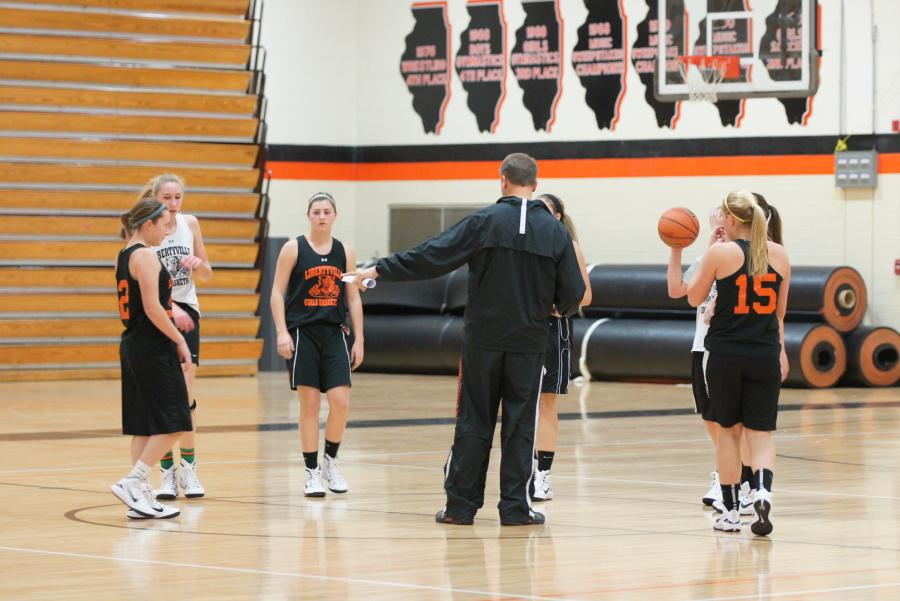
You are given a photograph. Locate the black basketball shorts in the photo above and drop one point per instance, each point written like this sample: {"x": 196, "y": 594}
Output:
{"x": 744, "y": 390}
{"x": 698, "y": 383}
{"x": 192, "y": 338}
{"x": 154, "y": 393}
{"x": 557, "y": 357}
{"x": 321, "y": 357}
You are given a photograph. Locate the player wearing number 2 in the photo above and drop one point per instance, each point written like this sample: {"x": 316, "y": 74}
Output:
{"x": 747, "y": 361}
{"x": 154, "y": 395}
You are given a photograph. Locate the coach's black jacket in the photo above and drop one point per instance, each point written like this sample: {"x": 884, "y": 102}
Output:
{"x": 515, "y": 279}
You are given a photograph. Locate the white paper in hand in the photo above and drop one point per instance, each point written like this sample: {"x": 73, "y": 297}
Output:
{"x": 351, "y": 279}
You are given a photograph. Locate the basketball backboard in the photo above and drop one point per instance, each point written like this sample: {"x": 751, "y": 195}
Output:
{"x": 774, "y": 40}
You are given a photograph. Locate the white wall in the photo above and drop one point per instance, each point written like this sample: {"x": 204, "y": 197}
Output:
{"x": 334, "y": 79}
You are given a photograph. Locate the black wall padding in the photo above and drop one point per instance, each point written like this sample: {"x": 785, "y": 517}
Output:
{"x": 413, "y": 344}
{"x": 425, "y": 296}
{"x": 645, "y": 349}
{"x": 836, "y": 295}
{"x": 873, "y": 357}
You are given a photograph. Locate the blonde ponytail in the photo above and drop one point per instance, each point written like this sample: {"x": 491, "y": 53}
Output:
{"x": 743, "y": 206}
{"x": 759, "y": 236}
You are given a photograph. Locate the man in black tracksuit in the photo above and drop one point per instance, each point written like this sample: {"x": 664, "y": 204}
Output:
{"x": 521, "y": 264}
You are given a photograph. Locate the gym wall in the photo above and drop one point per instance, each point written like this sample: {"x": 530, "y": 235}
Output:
{"x": 341, "y": 118}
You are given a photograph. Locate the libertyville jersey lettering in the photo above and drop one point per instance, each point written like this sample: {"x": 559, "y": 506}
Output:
{"x": 325, "y": 291}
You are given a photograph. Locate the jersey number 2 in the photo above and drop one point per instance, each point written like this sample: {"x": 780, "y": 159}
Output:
{"x": 766, "y": 294}
{"x": 123, "y": 300}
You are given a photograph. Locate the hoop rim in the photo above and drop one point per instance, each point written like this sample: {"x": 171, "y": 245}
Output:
{"x": 729, "y": 65}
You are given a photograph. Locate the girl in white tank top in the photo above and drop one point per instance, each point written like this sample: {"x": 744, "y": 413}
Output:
{"x": 183, "y": 254}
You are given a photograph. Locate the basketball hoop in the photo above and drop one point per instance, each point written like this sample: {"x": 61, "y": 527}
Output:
{"x": 703, "y": 81}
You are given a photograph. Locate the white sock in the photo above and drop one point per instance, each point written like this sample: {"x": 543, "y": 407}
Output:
{"x": 140, "y": 470}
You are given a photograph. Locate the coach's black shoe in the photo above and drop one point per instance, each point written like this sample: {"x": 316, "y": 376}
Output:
{"x": 441, "y": 517}
{"x": 534, "y": 518}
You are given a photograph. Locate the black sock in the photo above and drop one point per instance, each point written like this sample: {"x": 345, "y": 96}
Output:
{"x": 747, "y": 474}
{"x": 545, "y": 460}
{"x": 311, "y": 460}
{"x": 763, "y": 479}
{"x": 331, "y": 448}
{"x": 730, "y": 495}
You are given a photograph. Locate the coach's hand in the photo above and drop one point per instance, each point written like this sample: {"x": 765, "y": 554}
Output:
{"x": 183, "y": 321}
{"x": 285, "y": 345}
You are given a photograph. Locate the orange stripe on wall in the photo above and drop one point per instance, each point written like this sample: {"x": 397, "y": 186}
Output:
{"x": 819, "y": 164}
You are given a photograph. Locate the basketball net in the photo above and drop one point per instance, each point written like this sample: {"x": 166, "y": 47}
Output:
{"x": 710, "y": 71}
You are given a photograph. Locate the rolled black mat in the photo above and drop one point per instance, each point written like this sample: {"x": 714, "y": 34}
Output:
{"x": 426, "y": 296}
{"x": 835, "y": 295}
{"x": 873, "y": 357}
{"x": 412, "y": 344}
{"x": 645, "y": 349}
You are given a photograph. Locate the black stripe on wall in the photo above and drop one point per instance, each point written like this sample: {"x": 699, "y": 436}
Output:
{"x": 696, "y": 147}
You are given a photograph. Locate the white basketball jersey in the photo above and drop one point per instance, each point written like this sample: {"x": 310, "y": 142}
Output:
{"x": 701, "y": 327}
{"x": 176, "y": 246}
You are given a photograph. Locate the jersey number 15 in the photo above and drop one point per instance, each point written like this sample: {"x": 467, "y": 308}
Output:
{"x": 768, "y": 298}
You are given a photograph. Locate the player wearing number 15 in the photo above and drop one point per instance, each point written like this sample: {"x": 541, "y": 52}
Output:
{"x": 747, "y": 361}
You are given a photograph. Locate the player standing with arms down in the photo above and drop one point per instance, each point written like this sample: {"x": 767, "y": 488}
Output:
{"x": 557, "y": 363}
{"x": 154, "y": 395}
{"x": 309, "y": 305}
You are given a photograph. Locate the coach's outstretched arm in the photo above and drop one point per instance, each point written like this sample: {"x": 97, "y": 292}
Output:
{"x": 570, "y": 286}
{"x": 442, "y": 254}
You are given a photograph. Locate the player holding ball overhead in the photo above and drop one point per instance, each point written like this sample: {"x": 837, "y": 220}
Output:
{"x": 747, "y": 360}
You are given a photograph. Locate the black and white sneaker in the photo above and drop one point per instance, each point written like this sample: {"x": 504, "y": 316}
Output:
{"x": 762, "y": 512}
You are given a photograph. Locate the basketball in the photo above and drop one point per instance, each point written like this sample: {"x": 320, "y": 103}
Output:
{"x": 678, "y": 227}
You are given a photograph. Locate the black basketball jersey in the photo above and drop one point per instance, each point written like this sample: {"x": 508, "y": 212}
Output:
{"x": 315, "y": 291}
{"x": 131, "y": 306}
{"x": 744, "y": 320}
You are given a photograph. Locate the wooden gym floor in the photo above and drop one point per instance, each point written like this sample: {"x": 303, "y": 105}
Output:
{"x": 627, "y": 522}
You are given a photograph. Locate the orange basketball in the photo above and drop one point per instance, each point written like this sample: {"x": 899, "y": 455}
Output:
{"x": 678, "y": 227}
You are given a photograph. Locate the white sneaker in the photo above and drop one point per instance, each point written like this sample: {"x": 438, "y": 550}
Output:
{"x": 714, "y": 493}
{"x": 543, "y": 486}
{"x": 131, "y": 491}
{"x": 762, "y": 511}
{"x": 332, "y": 474}
{"x": 189, "y": 481}
{"x": 168, "y": 488}
{"x": 313, "y": 486}
{"x": 746, "y": 499}
{"x": 729, "y": 521}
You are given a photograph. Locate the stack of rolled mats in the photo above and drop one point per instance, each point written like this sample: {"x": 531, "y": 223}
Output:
{"x": 633, "y": 331}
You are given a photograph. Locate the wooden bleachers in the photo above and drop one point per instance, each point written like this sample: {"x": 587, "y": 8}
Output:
{"x": 126, "y": 100}
{"x": 131, "y": 76}
{"x": 97, "y": 97}
{"x": 86, "y": 48}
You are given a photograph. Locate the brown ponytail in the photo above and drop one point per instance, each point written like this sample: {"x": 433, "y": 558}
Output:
{"x": 145, "y": 209}
{"x": 558, "y": 207}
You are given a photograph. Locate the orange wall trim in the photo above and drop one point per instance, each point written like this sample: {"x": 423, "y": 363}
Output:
{"x": 818, "y": 164}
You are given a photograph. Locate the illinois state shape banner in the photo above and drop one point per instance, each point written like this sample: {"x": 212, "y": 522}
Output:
{"x": 481, "y": 62}
{"x": 599, "y": 59}
{"x": 645, "y": 52}
{"x": 781, "y": 51}
{"x": 536, "y": 60}
{"x": 425, "y": 63}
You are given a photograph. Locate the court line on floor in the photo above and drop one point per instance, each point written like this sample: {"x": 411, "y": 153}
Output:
{"x": 298, "y": 575}
{"x": 443, "y": 451}
{"x": 428, "y": 421}
{"x": 837, "y": 589}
